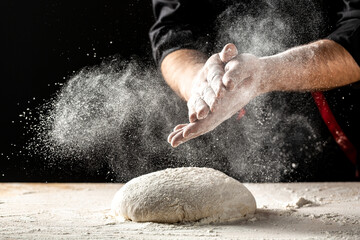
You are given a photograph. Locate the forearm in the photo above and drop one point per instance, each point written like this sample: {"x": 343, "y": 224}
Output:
{"x": 320, "y": 65}
{"x": 180, "y": 68}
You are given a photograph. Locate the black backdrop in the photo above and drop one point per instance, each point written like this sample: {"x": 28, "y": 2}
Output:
{"x": 43, "y": 42}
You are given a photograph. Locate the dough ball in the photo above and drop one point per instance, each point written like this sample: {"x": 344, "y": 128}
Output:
{"x": 183, "y": 195}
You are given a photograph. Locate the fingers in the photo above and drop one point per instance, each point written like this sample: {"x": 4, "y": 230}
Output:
{"x": 171, "y": 135}
{"x": 190, "y": 129}
{"x": 177, "y": 137}
{"x": 180, "y": 126}
{"x": 214, "y": 76}
{"x": 228, "y": 52}
{"x": 198, "y": 108}
{"x": 226, "y": 55}
{"x": 201, "y": 108}
{"x": 191, "y": 109}
{"x": 178, "y": 129}
{"x": 210, "y": 85}
{"x": 209, "y": 97}
{"x": 188, "y": 132}
{"x": 242, "y": 80}
{"x": 215, "y": 69}
{"x": 228, "y": 81}
{"x": 232, "y": 73}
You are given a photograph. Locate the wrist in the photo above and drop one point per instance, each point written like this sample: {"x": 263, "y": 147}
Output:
{"x": 180, "y": 68}
{"x": 271, "y": 74}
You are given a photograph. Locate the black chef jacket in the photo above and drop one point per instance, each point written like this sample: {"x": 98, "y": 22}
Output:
{"x": 180, "y": 22}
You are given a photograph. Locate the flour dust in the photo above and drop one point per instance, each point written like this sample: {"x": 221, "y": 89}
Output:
{"x": 120, "y": 113}
{"x": 280, "y": 136}
{"x": 268, "y": 27}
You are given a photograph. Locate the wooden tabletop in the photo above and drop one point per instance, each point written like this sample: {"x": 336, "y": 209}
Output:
{"x": 80, "y": 211}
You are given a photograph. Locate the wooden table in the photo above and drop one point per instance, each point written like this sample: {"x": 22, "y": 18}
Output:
{"x": 79, "y": 211}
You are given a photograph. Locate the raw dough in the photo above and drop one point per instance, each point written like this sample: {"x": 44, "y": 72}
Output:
{"x": 183, "y": 195}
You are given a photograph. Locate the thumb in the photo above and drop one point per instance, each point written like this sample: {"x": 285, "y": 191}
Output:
{"x": 228, "y": 52}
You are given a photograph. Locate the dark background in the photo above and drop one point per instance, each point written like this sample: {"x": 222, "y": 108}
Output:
{"x": 43, "y": 44}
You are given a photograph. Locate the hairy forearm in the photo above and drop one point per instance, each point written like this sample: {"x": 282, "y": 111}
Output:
{"x": 180, "y": 68}
{"x": 320, "y": 65}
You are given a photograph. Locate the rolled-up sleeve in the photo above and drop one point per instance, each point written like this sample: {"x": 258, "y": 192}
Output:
{"x": 347, "y": 29}
{"x": 178, "y": 24}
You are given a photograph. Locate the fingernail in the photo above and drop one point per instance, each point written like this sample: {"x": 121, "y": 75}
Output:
{"x": 200, "y": 115}
{"x": 177, "y": 144}
{"x": 230, "y": 84}
{"x": 192, "y": 118}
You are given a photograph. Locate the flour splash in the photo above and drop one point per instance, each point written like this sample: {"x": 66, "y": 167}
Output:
{"x": 120, "y": 113}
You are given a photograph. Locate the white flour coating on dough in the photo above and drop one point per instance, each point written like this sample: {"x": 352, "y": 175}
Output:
{"x": 183, "y": 195}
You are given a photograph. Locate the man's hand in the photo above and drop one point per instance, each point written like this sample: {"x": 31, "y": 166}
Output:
{"x": 208, "y": 86}
{"x": 243, "y": 80}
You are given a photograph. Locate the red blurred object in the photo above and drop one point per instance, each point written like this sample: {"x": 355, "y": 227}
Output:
{"x": 241, "y": 114}
{"x": 335, "y": 129}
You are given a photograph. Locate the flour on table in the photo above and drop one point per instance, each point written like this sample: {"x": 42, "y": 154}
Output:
{"x": 183, "y": 195}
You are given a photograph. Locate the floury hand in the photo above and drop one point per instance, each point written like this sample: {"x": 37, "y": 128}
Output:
{"x": 208, "y": 86}
{"x": 243, "y": 83}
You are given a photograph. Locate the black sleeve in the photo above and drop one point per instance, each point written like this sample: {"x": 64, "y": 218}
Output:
{"x": 179, "y": 24}
{"x": 347, "y": 29}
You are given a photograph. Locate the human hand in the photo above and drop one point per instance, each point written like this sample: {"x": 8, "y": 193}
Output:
{"x": 208, "y": 86}
{"x": 243, "y": 80}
